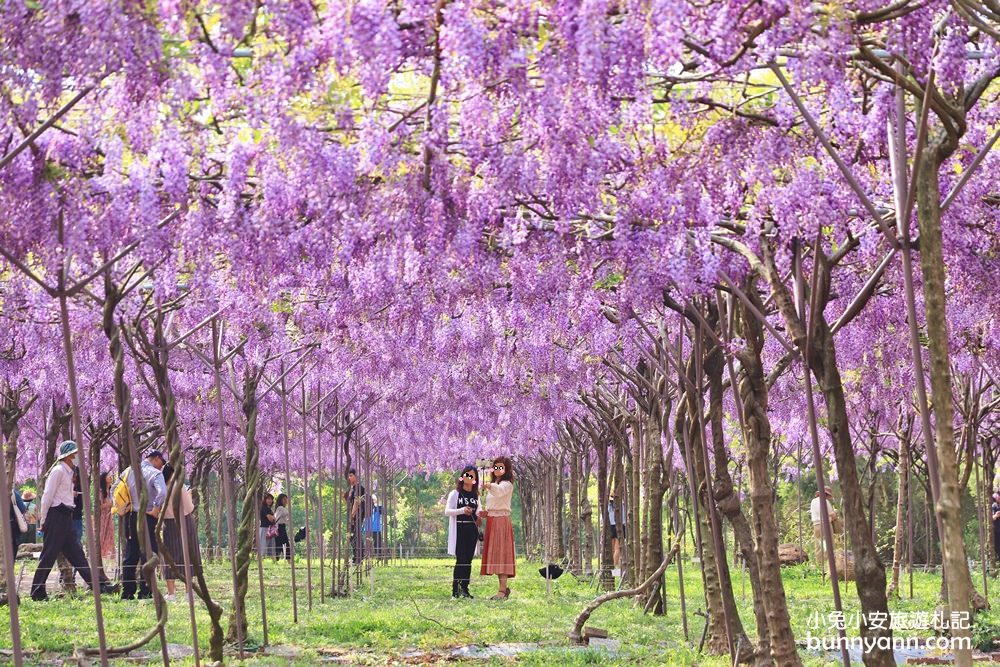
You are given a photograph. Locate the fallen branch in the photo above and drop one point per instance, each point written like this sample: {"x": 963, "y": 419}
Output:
{"x": 428, "y": 618}
{"x": 576, "y": 634}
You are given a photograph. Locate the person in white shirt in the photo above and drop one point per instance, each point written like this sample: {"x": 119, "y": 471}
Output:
{"x": 498, "y": 543}
{"x": 56, "y": 521}
{"x": 815, "y": 511}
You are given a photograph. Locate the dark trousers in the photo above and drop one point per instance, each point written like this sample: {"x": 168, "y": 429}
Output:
{"x": 133, "y": 555}
{"x": 281, "y": 546}
{"x": 377, "y": 544}
{"x": 357, "y": 541}
{"x": 60, "y": 538}
{"x": 996, "y": 539}
{"x": 465, "y": 549}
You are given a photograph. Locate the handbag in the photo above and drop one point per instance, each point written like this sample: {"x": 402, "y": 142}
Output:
{"x": 272, "y": 531}
{"x": 22, "y": 525}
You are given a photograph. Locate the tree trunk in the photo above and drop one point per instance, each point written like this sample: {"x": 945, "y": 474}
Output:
{"x": 575, "y": 558}
{"x": 249, "y": 515}
{"x": 654, "y": 528}
{"x": 57, "y": 424}
{"x": 205, "y": 504}
{"x": 868, "y": 568}
{"x": 559, "y": 544}
{"x": 901, "y": 510}
{"x": 586, "y": 518}
{"x": 725, "y": 492}
{"x": 95, "y": 486}
{"x": 631, "y": 541}
{"x": 718, "y": 585}
{"x": 949, "y": 508}
{"x": 158, "y": 360}
{"x": 525, "y": 491}
{"x": 989, "y": 467}
{"x": 754, "y": 398}
{"x": 606, "y": 556}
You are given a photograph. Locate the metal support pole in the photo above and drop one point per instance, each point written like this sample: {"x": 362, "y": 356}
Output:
{"x": 319, "y": 492}
{"x": 227, "y": 482}
{"x": 288, "y": 492}
{"x": 260, "y": 572}
{"x": 93, "y": 557}
{"x": 13, "y": 595}
{"x": 814, "y": 436}
{"x": 305, "y": 481}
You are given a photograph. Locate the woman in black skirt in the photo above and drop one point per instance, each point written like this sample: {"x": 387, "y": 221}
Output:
{"x": 172, "y": 536}
{"x": 463, "y": 531}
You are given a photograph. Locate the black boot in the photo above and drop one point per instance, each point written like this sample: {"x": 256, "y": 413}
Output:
{"x": 454, "y": 588}
{"x": 465, "y": 590}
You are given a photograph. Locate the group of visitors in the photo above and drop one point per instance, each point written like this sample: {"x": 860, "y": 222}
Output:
{"x": 273, "y": 531}
{"x": 60, "y": 520}
{"x": 364, "y": 515}
{"x": 468, "y": 507}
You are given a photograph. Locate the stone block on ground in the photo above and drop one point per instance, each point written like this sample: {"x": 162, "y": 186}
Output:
{"x": 610, "y": 645}
{"x": 791, "y": 554}
{"x": 28, "y": 550}
{"x": 845, "y": 565}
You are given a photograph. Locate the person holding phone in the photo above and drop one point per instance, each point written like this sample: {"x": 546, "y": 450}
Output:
{"x": 463, "y": 529}
{"x": 498, "y": 544}
{"x": 282, "y": 515}
{"x": 267, "y": 532}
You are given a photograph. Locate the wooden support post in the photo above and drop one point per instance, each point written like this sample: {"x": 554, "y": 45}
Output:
{"x": 305, "y": 481}
{"x": 319, "y": 492}
{"x": 288, "y": 491}
{"x": 227, "y": 481}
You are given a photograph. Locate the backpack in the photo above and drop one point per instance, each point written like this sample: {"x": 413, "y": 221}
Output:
{"x": 121, "y": 495}
{"x": 16, "y": 517}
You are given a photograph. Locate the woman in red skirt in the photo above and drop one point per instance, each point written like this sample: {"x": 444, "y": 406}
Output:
{"x": 498, "y": 544}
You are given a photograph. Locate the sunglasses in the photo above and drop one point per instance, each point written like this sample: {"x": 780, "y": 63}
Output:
{"x": 499, "y": 468}
{"x": 468, "y": 476}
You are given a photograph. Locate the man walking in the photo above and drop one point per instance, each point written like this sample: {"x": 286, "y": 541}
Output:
{"x": 815, "y": 512}
{"x": 56, "y": 520}
{"x": 156, "y": 489}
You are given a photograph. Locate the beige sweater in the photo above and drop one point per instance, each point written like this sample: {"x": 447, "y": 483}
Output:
{"x": 498, "y": 497}
{"x": 187, "y": 504}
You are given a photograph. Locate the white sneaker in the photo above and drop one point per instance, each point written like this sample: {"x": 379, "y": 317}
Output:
{"x": 169, "y": 598}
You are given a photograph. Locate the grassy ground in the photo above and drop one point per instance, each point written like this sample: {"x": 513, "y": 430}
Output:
{"x": 411, "y": 618}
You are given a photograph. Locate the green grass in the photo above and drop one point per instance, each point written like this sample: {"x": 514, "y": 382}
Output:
{"x": 371, "y": 629}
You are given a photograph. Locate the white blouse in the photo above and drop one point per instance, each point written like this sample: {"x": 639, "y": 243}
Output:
{"x": 281, "y": 515}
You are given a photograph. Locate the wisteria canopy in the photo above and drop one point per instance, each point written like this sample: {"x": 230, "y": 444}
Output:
{"x": 467, "y": 205}
{"x": 464, "y": 216}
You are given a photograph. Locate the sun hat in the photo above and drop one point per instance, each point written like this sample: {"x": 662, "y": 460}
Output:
{"x": 67, "y": 449}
